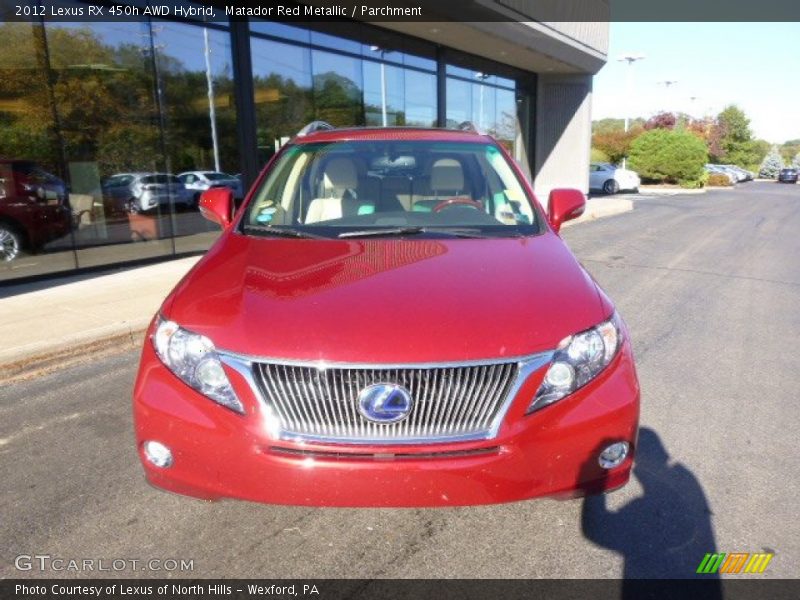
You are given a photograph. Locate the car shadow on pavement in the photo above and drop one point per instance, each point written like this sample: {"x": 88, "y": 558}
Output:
{"x": 665, "y": 532}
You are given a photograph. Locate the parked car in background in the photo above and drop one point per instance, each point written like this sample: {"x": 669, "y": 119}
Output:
{"x": 742, "y": 174}
{"x": 200, "y": 181}
{"x": 141, "y": 192}
{"x": 789, "y": 175}
{"x": 611, "y": 179}
{"x": 34, "y": 208}
{"x": 719, "y": 169}
{"x": 299, "y": 362}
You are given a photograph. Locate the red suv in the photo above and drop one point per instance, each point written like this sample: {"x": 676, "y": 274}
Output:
{"x": 390, "y": 319}
{"x": 34, "y": 208}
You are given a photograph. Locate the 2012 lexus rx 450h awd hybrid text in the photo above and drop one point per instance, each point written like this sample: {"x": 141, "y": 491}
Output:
{"x": 389, "y": 319}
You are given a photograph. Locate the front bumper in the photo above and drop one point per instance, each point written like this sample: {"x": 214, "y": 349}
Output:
{"x": 552, "y": 452}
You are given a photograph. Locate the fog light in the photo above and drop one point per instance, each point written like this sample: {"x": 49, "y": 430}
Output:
{"x": 158, "y": 454}
{"x": 613, "y": 455}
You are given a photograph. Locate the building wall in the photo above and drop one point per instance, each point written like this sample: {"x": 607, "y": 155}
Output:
{"x": 563, "y": 133}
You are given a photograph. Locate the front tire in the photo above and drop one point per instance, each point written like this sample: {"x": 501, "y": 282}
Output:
{"x": 610, "y": 187}
{"x": 10, "y": 243}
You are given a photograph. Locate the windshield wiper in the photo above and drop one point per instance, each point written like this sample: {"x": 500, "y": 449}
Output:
{"x": 460, "y": 232}
{"x": 385, "y": 231}
{"x": 265, "y": 230}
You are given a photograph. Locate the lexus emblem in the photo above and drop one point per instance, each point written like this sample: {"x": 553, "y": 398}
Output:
{"x": 385, "y": 403}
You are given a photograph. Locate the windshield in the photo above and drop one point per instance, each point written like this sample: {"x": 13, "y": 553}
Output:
{"x": 391, "y": 188}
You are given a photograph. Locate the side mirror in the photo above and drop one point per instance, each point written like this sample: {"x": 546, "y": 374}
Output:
{"x": 564, "y": 205}
{"x": 216, "y": 205}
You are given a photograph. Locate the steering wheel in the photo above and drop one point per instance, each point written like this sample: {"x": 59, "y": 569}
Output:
{"x": 458, "y": 201}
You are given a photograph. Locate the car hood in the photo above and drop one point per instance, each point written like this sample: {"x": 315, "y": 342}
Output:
{"x": 387, "y": 301}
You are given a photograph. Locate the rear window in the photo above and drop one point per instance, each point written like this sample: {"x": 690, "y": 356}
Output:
{"x": 217, "y": 176}
{"x": 160, "y": 179}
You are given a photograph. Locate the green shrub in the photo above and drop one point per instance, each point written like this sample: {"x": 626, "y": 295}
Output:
{"x": 719, "y": 180}
{"x": 695, "y": 184}
{"x": 669, "y": 156}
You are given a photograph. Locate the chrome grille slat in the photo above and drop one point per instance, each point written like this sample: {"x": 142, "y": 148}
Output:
{"x": 322, "y": 403}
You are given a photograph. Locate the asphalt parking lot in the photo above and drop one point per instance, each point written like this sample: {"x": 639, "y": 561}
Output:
{"x": 710, "y": 288}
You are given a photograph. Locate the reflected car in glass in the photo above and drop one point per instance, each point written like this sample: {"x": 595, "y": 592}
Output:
{"x": 389, "y": 319}
{"x": 200, "y": 181}
{"x": 34, "y": 208}
{"x": 143, "y": 192}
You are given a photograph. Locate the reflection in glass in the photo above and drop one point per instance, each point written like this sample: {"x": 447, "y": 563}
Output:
{"x": 29, "y": 159}
{"x": 383, "y": 94}
{"x": 395, "y": 96}
{"x": 199, "y": 117}
{"x": 492, "y": 109}
{"x": 337, "y": 89}
{"x": 283, "y": 97}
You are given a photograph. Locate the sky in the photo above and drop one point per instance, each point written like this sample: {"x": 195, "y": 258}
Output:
{"x": 753, "y": 65}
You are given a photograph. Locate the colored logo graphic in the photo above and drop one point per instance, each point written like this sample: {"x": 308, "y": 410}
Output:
{"x": 735, "y": 562}
{"x": 385, "y": 403}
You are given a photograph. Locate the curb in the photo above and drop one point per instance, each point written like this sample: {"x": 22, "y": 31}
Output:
{"x": 597, "y": 208}
{"x": 670, "y": 191}
{"x": 42, "y": 359}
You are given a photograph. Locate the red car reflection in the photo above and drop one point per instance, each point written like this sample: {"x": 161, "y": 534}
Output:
{"x": 34, "y": 208}
{"x": 390, "y": 319}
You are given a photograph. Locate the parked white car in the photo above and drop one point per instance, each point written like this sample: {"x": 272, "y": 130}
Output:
{"x": 611, "y": 179}
{"x": 142, "y": 192}
{"x": 732, "y": 175}
{"x": 199, "y": 181}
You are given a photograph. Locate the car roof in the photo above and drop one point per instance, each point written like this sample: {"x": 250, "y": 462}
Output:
{"x": 391, "y": 134}
{"x": 139, "y": 174}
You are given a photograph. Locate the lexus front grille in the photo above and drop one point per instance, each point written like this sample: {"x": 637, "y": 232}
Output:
{"x": 449, "y": 402}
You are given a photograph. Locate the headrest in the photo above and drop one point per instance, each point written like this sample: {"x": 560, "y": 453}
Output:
{"x": 340, "y": 174}
{"x": 446, "y": 174}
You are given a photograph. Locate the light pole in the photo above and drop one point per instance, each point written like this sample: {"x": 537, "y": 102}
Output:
{"x": 383, "y": 52}
{"x": 668, "y": 83}
{"x": 693, "y": 106}
{"x": 212, "y": 109}
{"x": 480, "y": 76}
{"x": 630, "y": 59}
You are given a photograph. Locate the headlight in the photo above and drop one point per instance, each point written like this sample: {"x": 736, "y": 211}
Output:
{"x": 194, "y": 359}
{"x": 578, "y": 359}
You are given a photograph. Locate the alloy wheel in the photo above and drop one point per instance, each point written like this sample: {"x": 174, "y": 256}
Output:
{"x": 9, "y": 245}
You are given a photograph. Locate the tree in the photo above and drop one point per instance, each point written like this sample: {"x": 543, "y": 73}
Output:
{"x": 598, "y": 156}
{"x": 702, "y": 128}
{"x": 796, "y": 161}
{"x": 615, "y": 144}
{"x": 662, "y": 120}
{"x": 606, "y": 125}
{"x": 762, "y": 148}
{"x": 731, "y": 141}
{"x": 789, "y": 149}
{"x": 671, "y": 156}
{"x": 771, "y": 165}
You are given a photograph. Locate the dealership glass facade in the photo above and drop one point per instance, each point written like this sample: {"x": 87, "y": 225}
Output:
{"x": 107, "y": 112}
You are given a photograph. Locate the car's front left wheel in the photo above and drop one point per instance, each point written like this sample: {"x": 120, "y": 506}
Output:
{"x": 10, "y": 243}
{"x": 611, "y": 187}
